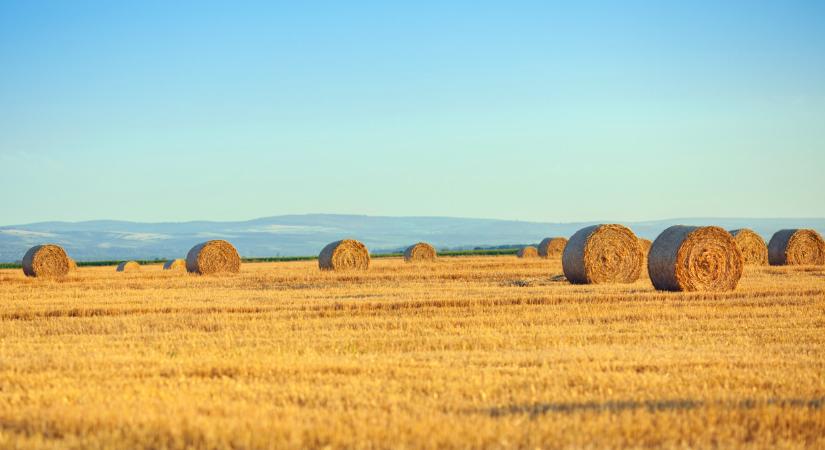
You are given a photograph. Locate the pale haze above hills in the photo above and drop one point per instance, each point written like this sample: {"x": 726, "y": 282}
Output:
{"x": 303, "y": 235}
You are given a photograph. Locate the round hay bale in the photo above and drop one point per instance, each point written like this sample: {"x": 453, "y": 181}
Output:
{"x": 752, "y": 246}
{"x": 528, "y": 252}
{"x": 212, "y": 257}
{"x": 645, "y": 244}
{"x": 175, "y": 264}
{"x": 347, "y": 254}
{"x": 128, "y": 266}
{"x": 796, "y": 247}
{"x": 552, "y": 247}
{"x": 687, "y": 258}
{"x": 46, "y": 261}
{"x": 607, "y": 253}
{"x": 421, "y": 251}
{"x": 72, "y": 265}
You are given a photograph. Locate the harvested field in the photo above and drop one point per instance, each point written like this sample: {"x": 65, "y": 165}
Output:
{"x": 503, "y": 354}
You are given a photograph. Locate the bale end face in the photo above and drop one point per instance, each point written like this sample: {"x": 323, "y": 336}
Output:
{"x": 796, "y": 247}
{"x": 685, "y": 258}
{"x": 420, "y": 252}
{"x": 552, "y": 247}
{"x": 607, "y": 253}
{"x": 752, "y": 246}
{"x": 46, "y": 261}
{"x": 212, "y": 257}
{"x": 347, "y": 254}
{"x": 528, "y": 252}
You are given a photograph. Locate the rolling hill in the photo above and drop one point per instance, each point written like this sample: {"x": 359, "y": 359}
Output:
{"x": 298, "y": 235}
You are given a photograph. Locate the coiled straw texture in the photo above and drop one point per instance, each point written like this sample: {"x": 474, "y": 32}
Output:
{"x": 796, "y": 247}
{"x": 346, "y": 254}
{"x": 552, "y": 247}
{"x": 420, "y": 252}
{"x": 46, "y": 261}
{"x": 685, "y": 258}
{"x": 211, "y": 257}
{"x": 528, "y": 252}
{"x": 752, "y": 246}
{"x": 607, "y": 253}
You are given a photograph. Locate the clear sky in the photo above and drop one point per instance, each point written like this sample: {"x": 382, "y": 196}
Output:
{"x": 167, "y": 111}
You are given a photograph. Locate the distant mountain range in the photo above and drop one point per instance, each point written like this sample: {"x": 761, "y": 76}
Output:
{"x": 300, "y": 235}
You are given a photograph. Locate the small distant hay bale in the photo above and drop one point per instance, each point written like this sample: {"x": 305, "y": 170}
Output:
{"x": 346, "y": 254}
{"x": 72, "y": 265}
{"x": 645, "y": 244}
{"x": 528, "y": 252}
{"x": 46, "y": 261}
{"x": 796, "y": 247}
{"x": 752, "y": 246}
{"x": 128, "y": 266}
{"x": 175, "y": 265}
{"x": 607, "y": 253}
{"x": 685, "y": 258}
{"x": 420, "y": 252}
{"x": 552, "y": 247}
{"x": 211, "y": 257}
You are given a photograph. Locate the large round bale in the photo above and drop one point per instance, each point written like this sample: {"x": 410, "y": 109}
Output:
{"x": 46, "y": 261}
{"x": 128, "y": 266}
{"x": 528, "y": 252}
{"x": 796, "y": 247}
{"x": 178, "y": 265}
{"x": 212, "y": 257}
{"x": 420, "y": 252}
{"x": 607, "y": 253}
{"x": 346, "y": 254}
{"x": 685, "y": 258}
{"x": 752, "y": 246}
{"x": 552, "y": 247}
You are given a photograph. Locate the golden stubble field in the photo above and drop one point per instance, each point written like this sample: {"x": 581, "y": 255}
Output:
{"x": 466, "y": 352}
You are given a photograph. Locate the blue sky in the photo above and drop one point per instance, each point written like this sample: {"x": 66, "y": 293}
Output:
{"x": 519, "y": 110}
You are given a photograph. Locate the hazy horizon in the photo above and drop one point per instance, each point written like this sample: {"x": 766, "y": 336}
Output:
{"x": 303, "y": 235}
{"x": 250, "y": 219}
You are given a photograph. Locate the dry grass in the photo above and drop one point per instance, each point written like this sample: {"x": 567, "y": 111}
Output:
{"x": 464, "y": 352}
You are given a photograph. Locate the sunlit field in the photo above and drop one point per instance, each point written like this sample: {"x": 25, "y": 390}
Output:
{"x": 466, "y": 352}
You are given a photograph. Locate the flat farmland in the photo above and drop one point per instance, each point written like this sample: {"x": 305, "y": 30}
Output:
{"x": 465, "y": 352}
